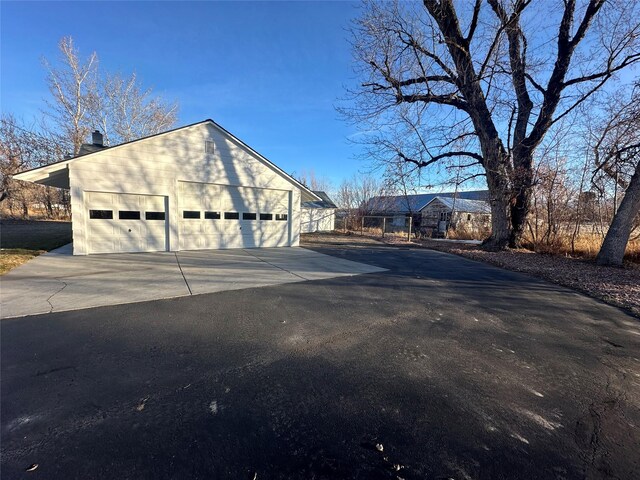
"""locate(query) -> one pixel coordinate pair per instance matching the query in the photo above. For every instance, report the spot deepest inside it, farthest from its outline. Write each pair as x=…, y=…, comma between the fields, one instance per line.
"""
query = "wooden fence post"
x=384, y=225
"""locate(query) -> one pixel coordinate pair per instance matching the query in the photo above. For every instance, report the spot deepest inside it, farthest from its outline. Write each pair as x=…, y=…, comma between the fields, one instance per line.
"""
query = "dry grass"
x=14, y=257
x=21, y=240
x=466, y=231
x=585, y=246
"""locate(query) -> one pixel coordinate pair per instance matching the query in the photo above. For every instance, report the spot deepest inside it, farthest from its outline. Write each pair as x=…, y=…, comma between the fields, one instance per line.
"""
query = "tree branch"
x=451, y=99
x=628, y=60
x=460, y=153
x=474, y=20
x=555, y=86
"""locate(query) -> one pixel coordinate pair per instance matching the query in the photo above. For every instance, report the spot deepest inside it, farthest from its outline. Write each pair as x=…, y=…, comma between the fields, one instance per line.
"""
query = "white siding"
x=317, y=220
x=156, y=165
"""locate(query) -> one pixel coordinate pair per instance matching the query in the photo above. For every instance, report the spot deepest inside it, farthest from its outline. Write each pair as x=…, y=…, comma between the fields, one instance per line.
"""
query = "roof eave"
x=54, y=175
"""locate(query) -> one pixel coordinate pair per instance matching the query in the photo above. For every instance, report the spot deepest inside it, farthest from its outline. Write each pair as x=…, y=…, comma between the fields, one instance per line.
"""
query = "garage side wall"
x=154, y=166
x=317, y=219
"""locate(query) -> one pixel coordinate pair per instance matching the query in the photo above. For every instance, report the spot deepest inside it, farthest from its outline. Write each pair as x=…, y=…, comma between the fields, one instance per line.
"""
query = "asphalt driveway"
x=438, y=368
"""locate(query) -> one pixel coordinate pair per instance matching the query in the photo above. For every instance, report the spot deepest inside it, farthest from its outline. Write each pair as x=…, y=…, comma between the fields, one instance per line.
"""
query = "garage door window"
x=101, y=214
x=231, y=215
x=154, y=215
x=190, y=214
x=248, y=216
x=212, y=215
x=266, y=216
x=281, y=216
x=129, y=215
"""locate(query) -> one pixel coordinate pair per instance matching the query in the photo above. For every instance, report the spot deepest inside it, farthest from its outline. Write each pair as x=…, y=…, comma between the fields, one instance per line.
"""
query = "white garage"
x=192, y=188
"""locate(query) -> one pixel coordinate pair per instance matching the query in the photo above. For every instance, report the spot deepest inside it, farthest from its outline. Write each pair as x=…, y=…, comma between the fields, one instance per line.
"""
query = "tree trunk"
x=615, y=243
x=500, y=223
x=519, y=213
x=522, y=181
x=499, y=199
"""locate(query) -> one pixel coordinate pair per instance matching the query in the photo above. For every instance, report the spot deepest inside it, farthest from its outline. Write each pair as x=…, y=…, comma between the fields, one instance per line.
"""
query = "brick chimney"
x=96, y=138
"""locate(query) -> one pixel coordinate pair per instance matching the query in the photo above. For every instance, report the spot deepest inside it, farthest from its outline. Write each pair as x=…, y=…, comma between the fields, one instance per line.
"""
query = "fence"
x=375, y=225
x=401, y=227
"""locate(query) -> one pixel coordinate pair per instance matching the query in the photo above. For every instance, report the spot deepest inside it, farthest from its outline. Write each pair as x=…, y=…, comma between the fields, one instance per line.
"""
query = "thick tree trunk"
x=500, y=223
x=615, y=243
x=499, y=199
x=519, y=213
x=522, y=189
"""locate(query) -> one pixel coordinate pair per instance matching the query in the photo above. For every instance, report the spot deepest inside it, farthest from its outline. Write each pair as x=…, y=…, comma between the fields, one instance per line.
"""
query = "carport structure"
x=192, y=188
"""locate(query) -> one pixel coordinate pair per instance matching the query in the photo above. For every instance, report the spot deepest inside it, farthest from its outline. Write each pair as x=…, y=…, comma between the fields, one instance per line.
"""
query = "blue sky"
x=269, y=72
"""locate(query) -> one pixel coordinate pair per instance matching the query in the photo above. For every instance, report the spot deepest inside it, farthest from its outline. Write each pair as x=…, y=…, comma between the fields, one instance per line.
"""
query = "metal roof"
x=413, y=203
x=326, y=202
x=464, y=205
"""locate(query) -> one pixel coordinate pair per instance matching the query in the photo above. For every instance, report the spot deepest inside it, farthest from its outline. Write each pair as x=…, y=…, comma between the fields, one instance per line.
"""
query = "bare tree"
x=552, y=209
x=83, y=99
x=125, y=111
x=354, y=196
x=314, y=181
x=355, y=193
x=486, y=83
x=22, y=148
x=73, y=85
x=617, y=153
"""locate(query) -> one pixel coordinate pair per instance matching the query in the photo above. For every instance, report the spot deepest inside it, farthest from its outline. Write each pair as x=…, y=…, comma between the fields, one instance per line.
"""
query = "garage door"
x=219, y=216
x=125, y=223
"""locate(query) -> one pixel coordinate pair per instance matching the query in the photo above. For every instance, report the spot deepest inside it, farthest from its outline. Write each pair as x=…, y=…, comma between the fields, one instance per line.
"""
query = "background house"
x=319, y=215
x=398, y=209
x=468, y=216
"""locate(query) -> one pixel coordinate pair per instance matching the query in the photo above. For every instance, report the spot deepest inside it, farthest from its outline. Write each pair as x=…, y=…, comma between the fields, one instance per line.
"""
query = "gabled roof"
x=402, y=204
x=86, y=148
x=56, y=173
x=462, y=205
x=326, y=202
